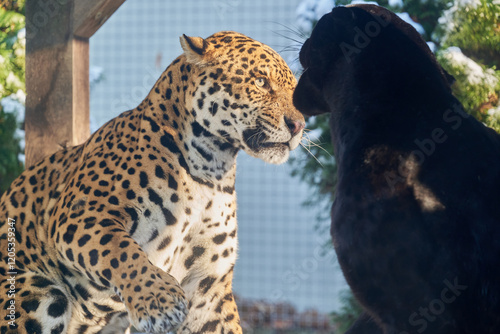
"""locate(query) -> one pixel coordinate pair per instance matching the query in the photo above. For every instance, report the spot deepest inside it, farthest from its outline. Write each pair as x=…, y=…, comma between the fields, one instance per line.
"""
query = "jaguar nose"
x=294, y=126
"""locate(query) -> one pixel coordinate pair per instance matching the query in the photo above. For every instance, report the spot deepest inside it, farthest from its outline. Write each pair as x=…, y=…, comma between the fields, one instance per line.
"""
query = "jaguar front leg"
x=109, y=257
x=212, y=308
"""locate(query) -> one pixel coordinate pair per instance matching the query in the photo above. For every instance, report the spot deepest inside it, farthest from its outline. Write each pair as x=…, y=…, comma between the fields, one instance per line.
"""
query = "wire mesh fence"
x=285, y=280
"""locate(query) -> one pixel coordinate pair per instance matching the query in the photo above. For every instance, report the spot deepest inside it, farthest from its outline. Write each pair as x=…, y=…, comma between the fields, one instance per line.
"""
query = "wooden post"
x=57, y=71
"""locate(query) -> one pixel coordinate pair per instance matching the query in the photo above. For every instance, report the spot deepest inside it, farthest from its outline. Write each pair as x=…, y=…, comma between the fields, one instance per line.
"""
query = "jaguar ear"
x=194, y=49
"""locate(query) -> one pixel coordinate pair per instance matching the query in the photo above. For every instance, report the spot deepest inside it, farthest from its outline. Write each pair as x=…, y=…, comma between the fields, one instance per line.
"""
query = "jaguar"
x=138, y=224
x=415, y=221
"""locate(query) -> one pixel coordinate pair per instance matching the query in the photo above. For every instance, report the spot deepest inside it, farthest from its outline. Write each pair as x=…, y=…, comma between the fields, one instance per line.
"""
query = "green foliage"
x=494, y=119
x=426, y=13
x=477, y=87
x=348, y=313
x=475, y=30
x=12, y=53
x=13, y=5
x=12, y=74
x=10, y=166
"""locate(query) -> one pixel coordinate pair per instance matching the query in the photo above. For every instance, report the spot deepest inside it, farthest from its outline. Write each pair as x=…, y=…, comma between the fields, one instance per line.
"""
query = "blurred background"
x=286, y=278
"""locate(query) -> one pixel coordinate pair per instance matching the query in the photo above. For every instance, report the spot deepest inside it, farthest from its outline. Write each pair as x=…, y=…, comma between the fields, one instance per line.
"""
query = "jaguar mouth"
x=268, y=145
x=256, y=140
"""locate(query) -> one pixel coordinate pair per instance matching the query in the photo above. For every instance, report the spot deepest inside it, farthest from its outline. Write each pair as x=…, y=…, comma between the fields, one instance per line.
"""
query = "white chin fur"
x=273, y=155
x=294, y=142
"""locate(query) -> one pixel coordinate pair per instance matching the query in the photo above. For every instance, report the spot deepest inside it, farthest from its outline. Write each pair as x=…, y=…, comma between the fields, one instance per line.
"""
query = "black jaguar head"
x=355, y=52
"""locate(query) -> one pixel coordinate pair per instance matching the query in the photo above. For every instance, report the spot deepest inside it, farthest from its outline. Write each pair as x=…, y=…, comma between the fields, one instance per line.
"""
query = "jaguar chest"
x=190, y=229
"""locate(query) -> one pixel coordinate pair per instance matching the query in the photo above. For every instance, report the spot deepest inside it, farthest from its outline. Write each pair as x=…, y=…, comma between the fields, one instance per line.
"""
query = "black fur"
x=416, y=216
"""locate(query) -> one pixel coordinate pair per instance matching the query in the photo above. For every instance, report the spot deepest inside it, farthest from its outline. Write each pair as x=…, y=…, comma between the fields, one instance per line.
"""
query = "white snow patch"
x=13, y=80
x=354, y=2
x=475, y=73
x=396, y=3
x=21, y=37
x=323, y=7
x=406, y=17
x=467, y=3
x=495, y=112
x=310, y=11
x=447, y=21
x=15, y=104
x=95, y=74
x=432, y=46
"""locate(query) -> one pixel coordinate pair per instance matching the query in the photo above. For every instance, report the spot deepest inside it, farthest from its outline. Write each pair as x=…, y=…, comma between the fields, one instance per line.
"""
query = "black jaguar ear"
x=195, y=48
x=339, y=20
x=342, y=13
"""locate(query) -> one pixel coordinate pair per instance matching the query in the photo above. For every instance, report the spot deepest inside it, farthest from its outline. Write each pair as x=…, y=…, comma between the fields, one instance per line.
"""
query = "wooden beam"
x=57, y=72
x=49, y=79
x=90, y=15
x=81, y=90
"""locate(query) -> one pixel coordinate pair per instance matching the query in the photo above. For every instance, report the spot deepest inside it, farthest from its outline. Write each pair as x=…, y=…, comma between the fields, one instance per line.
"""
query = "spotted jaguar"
x=137, y=226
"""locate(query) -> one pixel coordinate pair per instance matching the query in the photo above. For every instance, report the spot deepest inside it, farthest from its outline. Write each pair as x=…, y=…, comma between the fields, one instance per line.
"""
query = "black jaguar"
x=416, y=216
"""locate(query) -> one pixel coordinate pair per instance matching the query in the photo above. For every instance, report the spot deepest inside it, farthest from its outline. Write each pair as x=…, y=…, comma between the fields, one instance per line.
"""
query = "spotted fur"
x=138, y=224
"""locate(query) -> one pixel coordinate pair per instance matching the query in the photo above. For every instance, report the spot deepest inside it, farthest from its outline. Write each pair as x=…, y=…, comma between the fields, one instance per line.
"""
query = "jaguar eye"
x=261, y=82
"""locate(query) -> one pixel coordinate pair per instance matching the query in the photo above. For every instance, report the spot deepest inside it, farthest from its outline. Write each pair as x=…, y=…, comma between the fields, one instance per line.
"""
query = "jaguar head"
x=244, y=95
